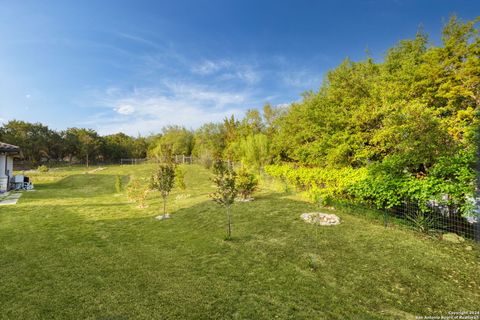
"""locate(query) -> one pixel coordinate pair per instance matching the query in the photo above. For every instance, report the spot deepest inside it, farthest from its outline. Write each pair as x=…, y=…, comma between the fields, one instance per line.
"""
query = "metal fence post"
x=477, y=189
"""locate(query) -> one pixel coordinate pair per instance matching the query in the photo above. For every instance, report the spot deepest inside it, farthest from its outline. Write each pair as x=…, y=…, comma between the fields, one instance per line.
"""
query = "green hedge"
x=450, y=182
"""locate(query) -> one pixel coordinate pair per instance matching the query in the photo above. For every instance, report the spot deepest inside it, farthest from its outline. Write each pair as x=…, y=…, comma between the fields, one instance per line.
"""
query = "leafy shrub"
x=180, y=178
x=137, y=191
x=449, y=182
x=421, y=221
x=321, y=185
x=43, y=168
x=247, y=183
x=313, y=262
x=118, y=184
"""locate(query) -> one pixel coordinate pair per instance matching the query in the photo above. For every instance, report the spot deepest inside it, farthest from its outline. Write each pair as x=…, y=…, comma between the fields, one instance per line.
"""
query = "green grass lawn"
x=74, y=249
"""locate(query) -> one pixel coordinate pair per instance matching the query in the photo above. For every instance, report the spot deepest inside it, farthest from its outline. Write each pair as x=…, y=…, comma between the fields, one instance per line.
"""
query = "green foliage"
x=163, y=180
x=387, y=133
x=180, y=177
x=117, y=146
x=384, y=186
x=88, y=143
x=174, y=140
x=226, y=190
x=253, y=151
x=418, y=105
x=247, y=183
x=73, y=236
x=421, y=222
x=401, y=130
x=313, y=262
x=137, y=191
x=209, y=143
x=322, y=185
x=118, y=184
x=448, y=182
x=43, y=168
x=37, y=141
x=225, y=183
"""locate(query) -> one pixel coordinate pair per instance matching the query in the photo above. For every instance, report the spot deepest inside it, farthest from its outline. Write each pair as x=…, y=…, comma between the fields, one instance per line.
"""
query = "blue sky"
x=135, y=66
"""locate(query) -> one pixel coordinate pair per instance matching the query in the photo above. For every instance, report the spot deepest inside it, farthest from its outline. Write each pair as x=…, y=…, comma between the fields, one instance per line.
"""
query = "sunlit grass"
x=75, y=249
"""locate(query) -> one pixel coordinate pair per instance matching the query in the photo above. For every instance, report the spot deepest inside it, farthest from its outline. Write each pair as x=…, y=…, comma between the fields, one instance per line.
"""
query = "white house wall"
x=10, y=166
x=3, y=176
x=3, y=158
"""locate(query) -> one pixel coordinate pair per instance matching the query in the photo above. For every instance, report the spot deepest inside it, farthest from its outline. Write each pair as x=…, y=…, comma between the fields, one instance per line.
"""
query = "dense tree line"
x=407, y=127
x=42, y=144
x=404, y=129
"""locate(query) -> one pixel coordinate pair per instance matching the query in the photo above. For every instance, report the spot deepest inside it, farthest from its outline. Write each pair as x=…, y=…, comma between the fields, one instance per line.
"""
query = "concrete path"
x=9, y=198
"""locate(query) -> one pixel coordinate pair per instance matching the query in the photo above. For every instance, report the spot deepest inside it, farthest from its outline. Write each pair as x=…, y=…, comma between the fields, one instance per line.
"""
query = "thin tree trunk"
x=87, y=159
x=164, y=206
x=229, y=224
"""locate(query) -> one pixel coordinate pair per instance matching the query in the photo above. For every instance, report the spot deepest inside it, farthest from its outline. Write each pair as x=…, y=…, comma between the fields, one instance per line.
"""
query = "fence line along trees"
x=41, y=144
x=163, y=180
x=226, y=190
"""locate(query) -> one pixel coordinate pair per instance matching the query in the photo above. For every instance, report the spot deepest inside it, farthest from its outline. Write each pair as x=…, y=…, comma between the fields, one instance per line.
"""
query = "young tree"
x=226, y=190
x=137, y=191
x=163, y=181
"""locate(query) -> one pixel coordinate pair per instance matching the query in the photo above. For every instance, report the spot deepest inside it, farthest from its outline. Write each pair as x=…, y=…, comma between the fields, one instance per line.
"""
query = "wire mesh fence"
x=434, y=219
x=132, y=161
x=437, y=218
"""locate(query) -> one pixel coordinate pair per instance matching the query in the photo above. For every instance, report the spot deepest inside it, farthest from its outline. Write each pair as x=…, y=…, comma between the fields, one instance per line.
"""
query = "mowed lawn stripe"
x=76, y=249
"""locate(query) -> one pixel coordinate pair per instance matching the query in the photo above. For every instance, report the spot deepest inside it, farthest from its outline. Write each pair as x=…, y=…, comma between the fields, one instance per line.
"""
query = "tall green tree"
x=176, y=139
x=209, y=142
x=89, y=144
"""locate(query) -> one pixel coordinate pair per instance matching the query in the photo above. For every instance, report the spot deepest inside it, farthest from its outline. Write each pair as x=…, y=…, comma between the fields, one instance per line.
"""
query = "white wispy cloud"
x=148, y=110
x=124, y=109
x=169, y=88
x=208, y=66
x=195, y=94
x=138, y=39
x=305, y=79
x=226, y=70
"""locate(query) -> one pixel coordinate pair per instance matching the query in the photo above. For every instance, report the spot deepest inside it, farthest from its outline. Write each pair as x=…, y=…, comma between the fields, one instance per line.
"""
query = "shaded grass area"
x=74, y=249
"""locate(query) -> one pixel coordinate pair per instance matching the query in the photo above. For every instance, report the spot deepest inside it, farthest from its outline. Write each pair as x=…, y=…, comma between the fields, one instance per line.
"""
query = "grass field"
x=74, y=249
